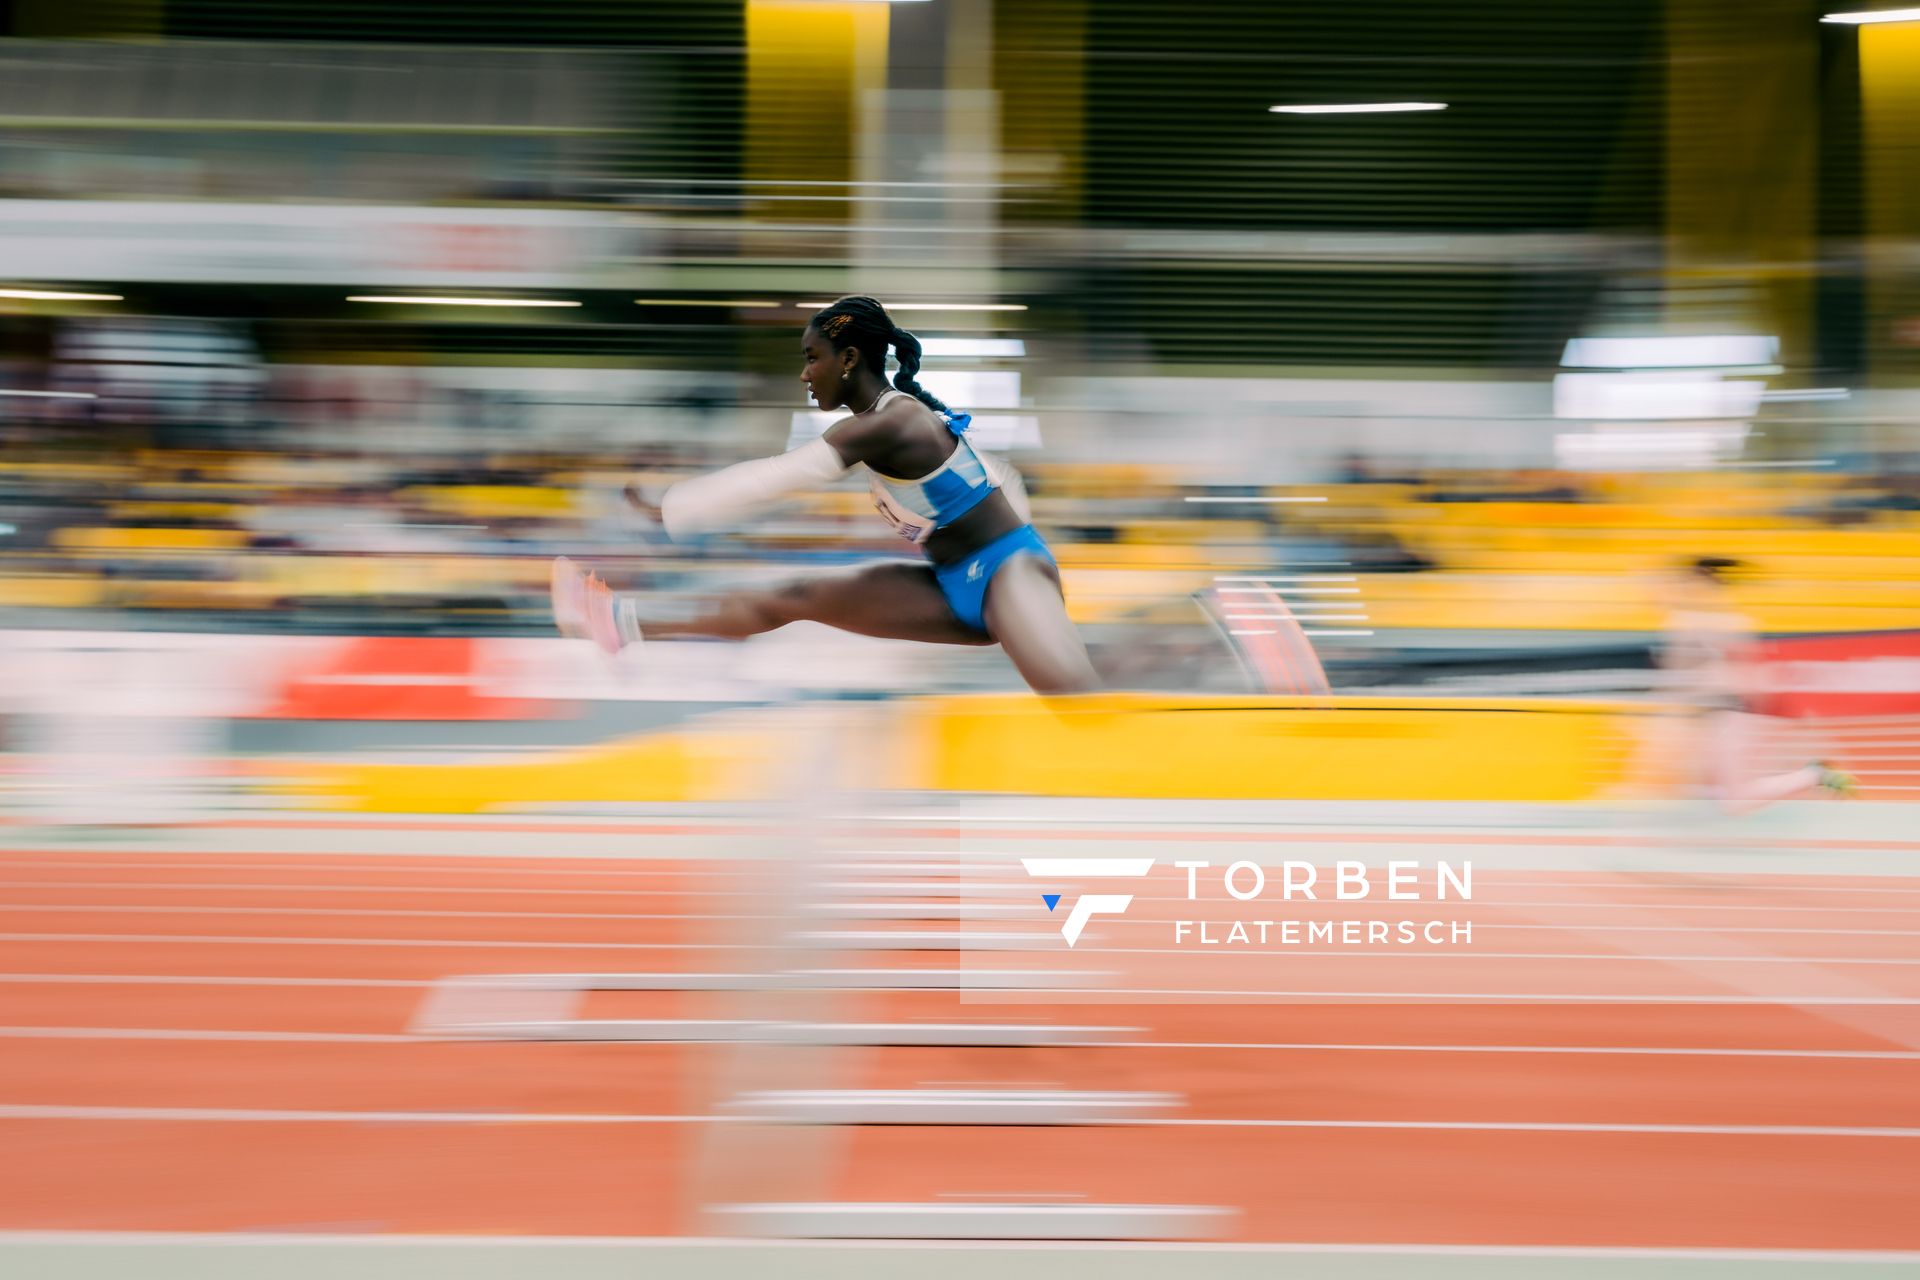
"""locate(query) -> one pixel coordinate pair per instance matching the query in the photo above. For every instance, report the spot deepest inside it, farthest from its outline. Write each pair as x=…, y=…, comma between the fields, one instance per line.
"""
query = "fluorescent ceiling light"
x=1672, y=351
x=1356, y=108
x=56, y=295
x=1810, y=393
x=984, y=348
x=1874, y=15
x=928, y=306
x=703, y=302
x=974, y=389
x=465, y=302
x=51, y=395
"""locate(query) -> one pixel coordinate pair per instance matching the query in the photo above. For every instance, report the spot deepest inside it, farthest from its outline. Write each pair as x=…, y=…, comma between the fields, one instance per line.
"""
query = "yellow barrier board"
x=1134, y=746
x=1217, y=748
x=668, y=768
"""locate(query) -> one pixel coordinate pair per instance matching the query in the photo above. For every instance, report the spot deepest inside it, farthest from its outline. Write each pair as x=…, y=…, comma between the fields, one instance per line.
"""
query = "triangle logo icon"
x=1051, y=899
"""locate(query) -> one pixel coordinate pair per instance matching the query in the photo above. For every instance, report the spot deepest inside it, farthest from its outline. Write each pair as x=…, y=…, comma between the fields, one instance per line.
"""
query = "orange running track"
x=220, y=1042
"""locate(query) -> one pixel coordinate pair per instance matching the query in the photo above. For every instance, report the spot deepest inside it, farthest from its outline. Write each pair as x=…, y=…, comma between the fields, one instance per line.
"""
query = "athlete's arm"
x=724, y=497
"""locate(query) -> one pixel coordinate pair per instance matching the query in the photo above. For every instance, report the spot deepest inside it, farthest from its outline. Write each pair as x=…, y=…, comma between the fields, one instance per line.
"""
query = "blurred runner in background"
x=1708, y=650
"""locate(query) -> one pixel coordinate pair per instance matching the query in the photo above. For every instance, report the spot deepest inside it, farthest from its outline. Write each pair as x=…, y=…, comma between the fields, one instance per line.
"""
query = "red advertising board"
x=1864, y=673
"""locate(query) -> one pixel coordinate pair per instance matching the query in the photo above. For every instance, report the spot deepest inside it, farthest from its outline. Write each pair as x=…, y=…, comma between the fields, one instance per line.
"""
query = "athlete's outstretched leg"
x=894, y=600
x=1730, y=740
x=902, y=600
x=1027, y=615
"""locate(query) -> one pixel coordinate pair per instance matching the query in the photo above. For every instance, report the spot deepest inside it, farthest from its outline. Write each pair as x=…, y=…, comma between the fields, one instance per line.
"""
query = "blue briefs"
x=964, y=582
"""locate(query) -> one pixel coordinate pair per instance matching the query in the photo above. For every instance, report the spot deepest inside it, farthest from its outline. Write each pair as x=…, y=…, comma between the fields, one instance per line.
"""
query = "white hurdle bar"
x=985, y=1105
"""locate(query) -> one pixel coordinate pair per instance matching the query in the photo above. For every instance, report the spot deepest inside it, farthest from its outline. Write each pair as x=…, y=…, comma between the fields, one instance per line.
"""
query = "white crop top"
x=915, y=508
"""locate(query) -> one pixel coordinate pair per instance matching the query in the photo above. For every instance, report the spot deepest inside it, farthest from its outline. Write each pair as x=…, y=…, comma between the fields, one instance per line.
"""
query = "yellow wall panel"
x=1157, y=747
x=807, y=64
x=1890, y=121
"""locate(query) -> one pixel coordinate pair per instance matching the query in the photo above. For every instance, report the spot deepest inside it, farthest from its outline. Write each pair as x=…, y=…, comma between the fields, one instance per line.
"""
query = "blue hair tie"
x=959, y=422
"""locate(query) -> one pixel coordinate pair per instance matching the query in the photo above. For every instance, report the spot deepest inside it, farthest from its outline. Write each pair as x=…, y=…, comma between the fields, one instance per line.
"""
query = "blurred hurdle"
x=781, y=1100
x=880, y=892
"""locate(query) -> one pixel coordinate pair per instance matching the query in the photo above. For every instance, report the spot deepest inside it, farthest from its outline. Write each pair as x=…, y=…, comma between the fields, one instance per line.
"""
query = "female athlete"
x=1709, y=652
x=987, y=578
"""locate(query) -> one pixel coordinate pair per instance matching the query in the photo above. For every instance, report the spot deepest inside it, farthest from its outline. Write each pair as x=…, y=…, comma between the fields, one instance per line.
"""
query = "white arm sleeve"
x=722, y=497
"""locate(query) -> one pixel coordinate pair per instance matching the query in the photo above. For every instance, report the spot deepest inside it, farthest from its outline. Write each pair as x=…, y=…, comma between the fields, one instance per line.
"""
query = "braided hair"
x=863, y=324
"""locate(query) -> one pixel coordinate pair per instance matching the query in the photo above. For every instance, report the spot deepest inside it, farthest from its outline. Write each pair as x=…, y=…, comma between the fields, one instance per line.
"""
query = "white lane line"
x=169, y=1033
x=1350, y=953
x=438, y=890
x=18, y=1111
x=1523, y=997
x=1462, y=997
x=1468, y=953
x=1410, y=906
x=1863, y=1055
x=901, y=883
x=268, y=861
x=403, y=1244
x=704, y=874
x=198, y=910
x=273, y=941
x=695, y=866
x=1545, y=1126
x=992, y=891
x=1700, y=882
x=327, y=1037
x=1542, y=923
x=1713, y=929
x=442, y=891
x=959, y=937
x=194, y=980
x=80, y=908
x=894, y=979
